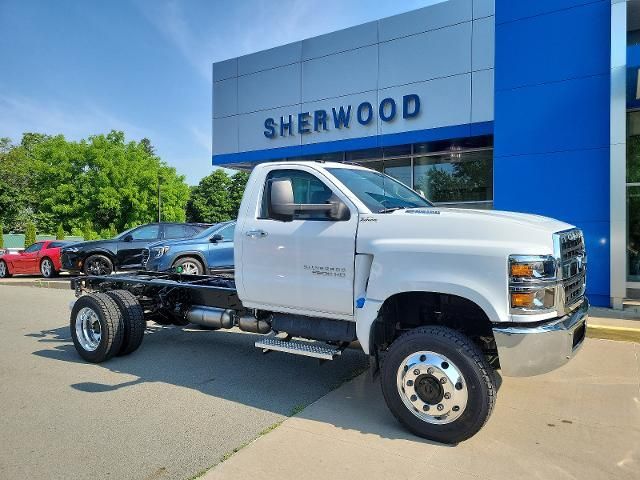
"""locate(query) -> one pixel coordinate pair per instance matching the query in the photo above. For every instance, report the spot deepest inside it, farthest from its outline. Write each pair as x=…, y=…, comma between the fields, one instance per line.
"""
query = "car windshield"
x=207, y=232
x=379, y=192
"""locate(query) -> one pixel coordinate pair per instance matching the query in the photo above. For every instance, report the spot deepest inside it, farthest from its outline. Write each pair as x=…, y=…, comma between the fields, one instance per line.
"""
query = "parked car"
x=124, y=251
x=210, y=250
x=39, y=258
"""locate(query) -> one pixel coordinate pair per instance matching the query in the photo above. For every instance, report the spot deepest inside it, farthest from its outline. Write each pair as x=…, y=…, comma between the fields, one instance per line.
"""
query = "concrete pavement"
x=169, y=410
x=579, y=422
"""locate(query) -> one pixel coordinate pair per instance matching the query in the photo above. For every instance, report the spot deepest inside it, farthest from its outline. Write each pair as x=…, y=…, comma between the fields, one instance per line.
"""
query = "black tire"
x=133, y=320
x=190, y=263
x=4, y=272
x=111, y=327
x=47, y=272
x=467, y=359
x=97, y=264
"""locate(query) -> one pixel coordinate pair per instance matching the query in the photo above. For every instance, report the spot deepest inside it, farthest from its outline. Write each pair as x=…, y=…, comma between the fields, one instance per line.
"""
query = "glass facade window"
x=633, y=196
x=456, y=177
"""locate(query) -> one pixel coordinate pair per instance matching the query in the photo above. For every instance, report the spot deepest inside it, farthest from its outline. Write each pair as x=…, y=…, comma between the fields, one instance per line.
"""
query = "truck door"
x=306, y=264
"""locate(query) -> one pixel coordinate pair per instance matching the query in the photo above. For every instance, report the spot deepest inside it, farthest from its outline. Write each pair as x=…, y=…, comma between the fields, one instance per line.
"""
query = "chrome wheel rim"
x=432, y=387
x=3, y=269
x=46, y=268
x=88, y=329
x=190, y=268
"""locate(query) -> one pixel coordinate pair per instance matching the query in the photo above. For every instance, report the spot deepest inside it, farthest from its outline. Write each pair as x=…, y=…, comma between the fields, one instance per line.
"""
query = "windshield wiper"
x=391, y=209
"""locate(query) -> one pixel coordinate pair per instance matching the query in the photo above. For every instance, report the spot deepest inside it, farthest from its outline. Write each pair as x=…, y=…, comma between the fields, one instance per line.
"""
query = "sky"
x=80, y=68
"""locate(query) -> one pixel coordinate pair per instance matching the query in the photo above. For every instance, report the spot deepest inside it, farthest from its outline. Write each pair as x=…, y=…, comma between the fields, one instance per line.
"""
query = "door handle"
x=256, y=233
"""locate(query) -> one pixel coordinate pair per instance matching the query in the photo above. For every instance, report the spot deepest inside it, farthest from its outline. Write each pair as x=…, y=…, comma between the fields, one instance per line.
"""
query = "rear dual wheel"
x=107, y=324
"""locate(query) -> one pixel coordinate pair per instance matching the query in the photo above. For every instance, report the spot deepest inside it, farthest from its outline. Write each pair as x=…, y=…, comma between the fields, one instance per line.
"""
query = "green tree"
x=60, y=232
x=210, y=200
x=1, y=235
x=29, y=234
x=87, y=231
x=236, y=190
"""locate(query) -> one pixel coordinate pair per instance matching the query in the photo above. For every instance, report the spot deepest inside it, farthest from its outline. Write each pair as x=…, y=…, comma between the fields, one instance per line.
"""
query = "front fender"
x=366, y=316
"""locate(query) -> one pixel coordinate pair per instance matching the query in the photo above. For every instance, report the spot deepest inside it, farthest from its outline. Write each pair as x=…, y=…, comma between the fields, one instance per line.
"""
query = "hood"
x=517, y=233
x=90, y=243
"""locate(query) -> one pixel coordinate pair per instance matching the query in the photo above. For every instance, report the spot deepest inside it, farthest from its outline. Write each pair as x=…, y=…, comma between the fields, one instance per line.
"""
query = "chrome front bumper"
x=525, y=351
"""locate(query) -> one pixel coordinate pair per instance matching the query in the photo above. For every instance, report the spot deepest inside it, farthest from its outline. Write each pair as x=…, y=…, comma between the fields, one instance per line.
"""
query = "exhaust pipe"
x=210, y=317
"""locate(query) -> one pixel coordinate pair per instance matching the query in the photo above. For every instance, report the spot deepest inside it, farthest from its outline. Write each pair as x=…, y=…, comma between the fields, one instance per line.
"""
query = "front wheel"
x=438, y=384
x=4, y=270
x=98, y=265
x=190, y=266
x=47, y=269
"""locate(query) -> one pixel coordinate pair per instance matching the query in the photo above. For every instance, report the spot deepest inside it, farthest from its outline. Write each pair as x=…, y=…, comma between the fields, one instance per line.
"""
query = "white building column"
x=618, y=152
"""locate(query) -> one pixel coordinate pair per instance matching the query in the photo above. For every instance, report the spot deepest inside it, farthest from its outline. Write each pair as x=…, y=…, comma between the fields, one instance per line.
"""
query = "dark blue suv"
x=209, y=250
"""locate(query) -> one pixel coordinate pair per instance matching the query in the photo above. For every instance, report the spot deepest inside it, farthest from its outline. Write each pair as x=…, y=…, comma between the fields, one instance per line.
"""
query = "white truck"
x=329, y=255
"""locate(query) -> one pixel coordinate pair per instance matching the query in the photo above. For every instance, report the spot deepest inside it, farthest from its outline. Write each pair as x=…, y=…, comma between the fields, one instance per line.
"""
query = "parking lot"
x=189, y=398
x=171, y=409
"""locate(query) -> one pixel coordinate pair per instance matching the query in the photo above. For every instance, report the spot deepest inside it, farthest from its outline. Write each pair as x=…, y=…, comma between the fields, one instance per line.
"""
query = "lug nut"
x=443, y=380
x=447, y=395
x=414, y=398
x=440, y=407
x=416, y=372
x=456, y=408
x=425, y=408
x=430, y=370
x=458, y=386
x=409, y=383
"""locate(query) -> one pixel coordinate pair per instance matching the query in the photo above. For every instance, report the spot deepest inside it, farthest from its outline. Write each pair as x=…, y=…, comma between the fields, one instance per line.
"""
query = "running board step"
x=307, y=349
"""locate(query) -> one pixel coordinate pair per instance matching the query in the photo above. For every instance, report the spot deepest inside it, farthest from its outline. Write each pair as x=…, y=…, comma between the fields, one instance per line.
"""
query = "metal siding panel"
x=483, y=45
x=569, y=115
x=448, y=51
x=340, y=74
x=340, y=41
x=251, y=128
x=225, y=98
x=444, y=101
x=355, y=129
x=483, y=8
x=225, y=135
x=269, y=89
x=482, y=96
x=225, y=69
x=575, y=43
x=428, y=18
x=272, y=58
x=510, y=10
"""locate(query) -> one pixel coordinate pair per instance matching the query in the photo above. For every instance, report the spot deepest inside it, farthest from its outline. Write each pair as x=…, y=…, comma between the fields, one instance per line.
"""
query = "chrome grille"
x=572, y=264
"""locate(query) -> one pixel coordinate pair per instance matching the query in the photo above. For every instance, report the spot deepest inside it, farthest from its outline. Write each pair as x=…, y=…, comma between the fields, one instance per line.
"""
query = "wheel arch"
x=190, y=254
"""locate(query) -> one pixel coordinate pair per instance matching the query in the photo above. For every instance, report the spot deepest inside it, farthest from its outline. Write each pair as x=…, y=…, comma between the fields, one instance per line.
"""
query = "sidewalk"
x=581, y=421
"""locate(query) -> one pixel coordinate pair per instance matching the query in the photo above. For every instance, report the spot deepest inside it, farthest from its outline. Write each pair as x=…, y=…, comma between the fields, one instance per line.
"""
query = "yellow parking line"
x=626, y=334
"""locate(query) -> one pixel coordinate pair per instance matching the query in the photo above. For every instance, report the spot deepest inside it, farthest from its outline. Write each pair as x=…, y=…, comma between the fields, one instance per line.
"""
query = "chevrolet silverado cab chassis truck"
x=328, y=254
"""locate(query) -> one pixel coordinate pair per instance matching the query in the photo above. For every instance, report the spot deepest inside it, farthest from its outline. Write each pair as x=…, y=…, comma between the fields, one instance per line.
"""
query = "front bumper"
x=525, y=350
x=71, y=261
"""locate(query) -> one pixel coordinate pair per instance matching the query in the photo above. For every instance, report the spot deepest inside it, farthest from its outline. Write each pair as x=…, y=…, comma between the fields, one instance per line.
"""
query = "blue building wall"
x=551, y=127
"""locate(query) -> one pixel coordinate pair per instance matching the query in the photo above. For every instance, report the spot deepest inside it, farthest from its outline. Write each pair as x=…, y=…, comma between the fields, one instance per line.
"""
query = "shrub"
x=60, y=233
x=30, y=234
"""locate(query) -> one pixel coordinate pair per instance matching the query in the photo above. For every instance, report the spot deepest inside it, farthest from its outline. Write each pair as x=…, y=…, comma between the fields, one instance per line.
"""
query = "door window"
x=175, y=231
x=307, y=189
x=33, y=248
x=227, y=232
x=148, y=232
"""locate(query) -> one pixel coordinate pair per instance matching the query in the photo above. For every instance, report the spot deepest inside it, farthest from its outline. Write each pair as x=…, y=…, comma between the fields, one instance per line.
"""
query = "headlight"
x=531, y=268
x=532, y=284
x=157, y=252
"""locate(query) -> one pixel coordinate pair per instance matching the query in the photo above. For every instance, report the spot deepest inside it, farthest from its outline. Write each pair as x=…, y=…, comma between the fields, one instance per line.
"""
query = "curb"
x=59, y=285
x=608, y=332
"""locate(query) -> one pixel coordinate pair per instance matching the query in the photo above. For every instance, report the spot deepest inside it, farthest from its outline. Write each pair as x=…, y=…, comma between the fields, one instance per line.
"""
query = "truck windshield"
x=379, y=192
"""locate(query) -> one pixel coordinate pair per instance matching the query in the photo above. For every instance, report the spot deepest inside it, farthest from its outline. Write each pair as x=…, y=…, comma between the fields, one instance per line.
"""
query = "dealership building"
x=530, y=106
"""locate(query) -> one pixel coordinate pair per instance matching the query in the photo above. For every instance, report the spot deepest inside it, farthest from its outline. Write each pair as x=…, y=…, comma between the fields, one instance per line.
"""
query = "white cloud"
x=20, y=114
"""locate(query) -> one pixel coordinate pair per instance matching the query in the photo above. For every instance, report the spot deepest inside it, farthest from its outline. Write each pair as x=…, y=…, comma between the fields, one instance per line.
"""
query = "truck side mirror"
x=281, y=206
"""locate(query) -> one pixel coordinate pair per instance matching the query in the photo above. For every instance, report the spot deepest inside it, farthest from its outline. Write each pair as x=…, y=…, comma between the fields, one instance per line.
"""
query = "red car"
x=42, y=257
